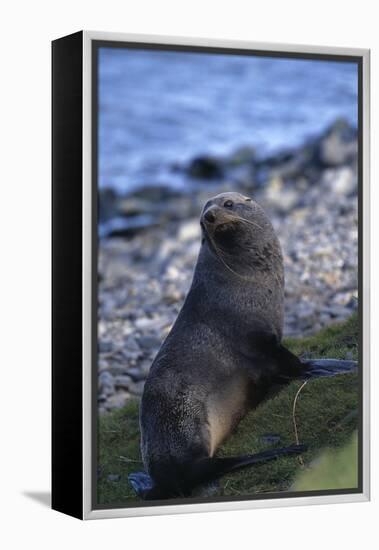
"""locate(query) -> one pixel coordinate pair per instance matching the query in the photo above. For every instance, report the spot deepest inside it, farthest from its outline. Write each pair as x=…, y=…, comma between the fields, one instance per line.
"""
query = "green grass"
x=326, y=415
x=332, y=470
x=339, y=341
x=118, y=444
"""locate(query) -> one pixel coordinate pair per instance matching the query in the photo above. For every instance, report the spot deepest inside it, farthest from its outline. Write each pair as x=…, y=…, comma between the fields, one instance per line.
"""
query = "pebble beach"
x=149, y=242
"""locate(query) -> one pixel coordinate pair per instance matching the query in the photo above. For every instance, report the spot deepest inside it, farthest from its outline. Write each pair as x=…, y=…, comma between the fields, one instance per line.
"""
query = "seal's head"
x=234, y=222
x=239, y=234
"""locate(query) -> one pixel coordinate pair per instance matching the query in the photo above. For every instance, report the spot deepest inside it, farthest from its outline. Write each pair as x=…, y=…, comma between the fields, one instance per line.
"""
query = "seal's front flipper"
x=315, y=368
x=141, y=483
x=290, y=367
x=267, y=350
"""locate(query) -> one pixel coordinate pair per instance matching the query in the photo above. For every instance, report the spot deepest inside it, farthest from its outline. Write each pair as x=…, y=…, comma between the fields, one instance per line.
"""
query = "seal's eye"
x=228, y=204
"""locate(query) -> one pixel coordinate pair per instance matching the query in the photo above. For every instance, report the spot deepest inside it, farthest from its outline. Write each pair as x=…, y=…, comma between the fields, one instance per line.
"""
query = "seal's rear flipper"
x=181, y=481
x=315, y=368
x=141, y=483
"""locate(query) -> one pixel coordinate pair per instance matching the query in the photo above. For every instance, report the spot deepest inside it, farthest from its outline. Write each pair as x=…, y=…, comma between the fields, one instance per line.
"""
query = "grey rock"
x=128, y=227
x=117, y=400
x=189, y=231
x=149, y=342
x=270, y=439
x=106, y=383
x=146, y=323
x=107, y=204
x=136, y=374
x=131, y=356
x=206, y=168
x=352, y=303
x=280, y=196
x=122, y=381
x=156, y=193
x=105, y=346
x=144, y=368
x=131, y=350
x=336, y=311
x=114, y=477
x=243, y=155
x=172, y=296
x=117, y=369
x=134, y=206
x=339, y=145
x=341, y=181
x=136, y=388
x=103, y=365
x=304, y=311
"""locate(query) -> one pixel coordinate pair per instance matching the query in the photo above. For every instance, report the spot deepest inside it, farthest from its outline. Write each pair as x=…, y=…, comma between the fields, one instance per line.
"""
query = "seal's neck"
x=237, y=295
x=237, y=270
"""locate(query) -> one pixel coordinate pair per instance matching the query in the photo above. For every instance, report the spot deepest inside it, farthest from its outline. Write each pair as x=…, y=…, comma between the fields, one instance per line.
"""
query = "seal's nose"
x=210, y=216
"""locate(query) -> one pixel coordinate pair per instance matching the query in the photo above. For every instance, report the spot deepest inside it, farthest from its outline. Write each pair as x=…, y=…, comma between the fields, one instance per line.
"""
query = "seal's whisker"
x=245, y=220
x=219, y=253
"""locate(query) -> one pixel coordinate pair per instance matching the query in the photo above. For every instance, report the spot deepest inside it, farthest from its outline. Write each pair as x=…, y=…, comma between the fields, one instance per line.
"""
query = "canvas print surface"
x=228, y=312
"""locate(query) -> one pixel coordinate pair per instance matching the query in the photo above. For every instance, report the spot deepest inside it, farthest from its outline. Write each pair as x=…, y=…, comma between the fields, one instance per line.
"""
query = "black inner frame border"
x=95, y=46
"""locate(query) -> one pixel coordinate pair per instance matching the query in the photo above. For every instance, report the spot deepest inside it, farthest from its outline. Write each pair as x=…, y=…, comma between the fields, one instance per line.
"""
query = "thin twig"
x=294, y=419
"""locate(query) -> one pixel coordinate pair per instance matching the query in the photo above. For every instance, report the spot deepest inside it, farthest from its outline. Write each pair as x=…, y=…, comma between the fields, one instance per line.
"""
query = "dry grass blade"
x=126, y=459
x=294, y=419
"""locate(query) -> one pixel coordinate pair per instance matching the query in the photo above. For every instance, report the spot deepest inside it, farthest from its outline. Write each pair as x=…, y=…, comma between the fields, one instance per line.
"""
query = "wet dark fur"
x=222, y=357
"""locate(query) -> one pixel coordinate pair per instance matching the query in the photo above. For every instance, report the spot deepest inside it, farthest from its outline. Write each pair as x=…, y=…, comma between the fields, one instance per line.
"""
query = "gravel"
x=144, y=278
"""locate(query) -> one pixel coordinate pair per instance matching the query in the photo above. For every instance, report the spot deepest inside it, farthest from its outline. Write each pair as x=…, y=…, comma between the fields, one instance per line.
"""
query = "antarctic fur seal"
x=222, y=356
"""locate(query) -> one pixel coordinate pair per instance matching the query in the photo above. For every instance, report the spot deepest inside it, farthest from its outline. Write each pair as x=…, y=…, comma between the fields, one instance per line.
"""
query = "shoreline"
x=145, y=269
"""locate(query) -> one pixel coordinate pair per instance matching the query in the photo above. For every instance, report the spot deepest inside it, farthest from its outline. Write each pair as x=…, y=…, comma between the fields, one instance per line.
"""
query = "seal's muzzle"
x=215, y=216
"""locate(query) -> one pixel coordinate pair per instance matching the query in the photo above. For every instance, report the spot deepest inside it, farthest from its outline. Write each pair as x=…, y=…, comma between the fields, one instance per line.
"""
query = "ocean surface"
x=160, y=109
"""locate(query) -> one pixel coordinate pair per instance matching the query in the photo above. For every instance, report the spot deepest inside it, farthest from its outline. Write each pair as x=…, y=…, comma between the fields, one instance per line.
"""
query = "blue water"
x=160, y=108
